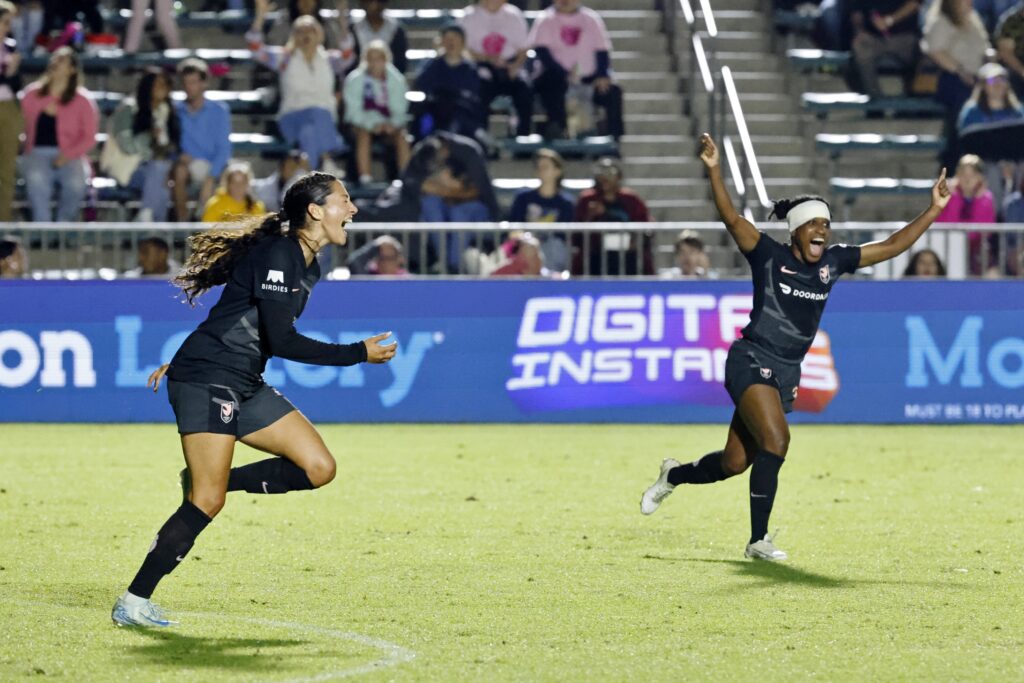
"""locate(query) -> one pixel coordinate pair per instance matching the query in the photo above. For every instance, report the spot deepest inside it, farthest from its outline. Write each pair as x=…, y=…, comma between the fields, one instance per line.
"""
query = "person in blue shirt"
x=547, y=204
x=205, y=139
x=452, y=87
x=994, y=101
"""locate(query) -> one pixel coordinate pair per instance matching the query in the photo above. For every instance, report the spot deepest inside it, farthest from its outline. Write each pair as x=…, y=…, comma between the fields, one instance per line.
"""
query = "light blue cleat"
x=131, y=610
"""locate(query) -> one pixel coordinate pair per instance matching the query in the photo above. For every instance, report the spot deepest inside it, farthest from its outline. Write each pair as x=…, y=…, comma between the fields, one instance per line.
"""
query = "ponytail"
x=215, y=253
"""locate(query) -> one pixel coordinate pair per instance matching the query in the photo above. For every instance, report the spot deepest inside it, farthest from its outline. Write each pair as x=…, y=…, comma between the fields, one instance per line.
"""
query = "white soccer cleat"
x=131, y=610
x=765, y=550
x=659, y=490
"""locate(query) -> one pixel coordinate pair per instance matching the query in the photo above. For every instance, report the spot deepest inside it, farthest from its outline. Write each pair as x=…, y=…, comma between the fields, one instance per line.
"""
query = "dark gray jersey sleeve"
x=278, y=333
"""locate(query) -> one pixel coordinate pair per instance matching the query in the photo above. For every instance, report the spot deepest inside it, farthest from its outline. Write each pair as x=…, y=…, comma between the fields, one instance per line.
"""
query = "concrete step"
x=633, y=40
x=766, y=82
x=664, y=167
x=648, y=81
x=741, y=41
x=655, y=124
x=750, y=61
x=769, y=124
x=782, y=145
x=737, y=20
x=756, y=103
x=653, y=103
x=791, y=166
x=652, y=145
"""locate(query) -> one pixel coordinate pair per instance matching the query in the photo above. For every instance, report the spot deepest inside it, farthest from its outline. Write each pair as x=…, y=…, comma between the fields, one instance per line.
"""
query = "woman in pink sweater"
x=61, y=121
x=972, y=202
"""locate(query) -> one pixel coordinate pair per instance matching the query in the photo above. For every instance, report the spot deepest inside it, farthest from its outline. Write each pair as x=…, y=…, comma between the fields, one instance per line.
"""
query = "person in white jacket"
x=376, y=108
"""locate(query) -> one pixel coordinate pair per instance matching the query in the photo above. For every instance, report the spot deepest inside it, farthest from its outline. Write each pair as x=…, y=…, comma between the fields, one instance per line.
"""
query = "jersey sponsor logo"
x=787, y=271
x=766, y=373
x=824, y=274
x=275, y=276
x=801, y=294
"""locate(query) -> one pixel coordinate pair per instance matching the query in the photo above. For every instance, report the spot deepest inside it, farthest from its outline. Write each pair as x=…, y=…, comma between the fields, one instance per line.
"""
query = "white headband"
x=807, y=211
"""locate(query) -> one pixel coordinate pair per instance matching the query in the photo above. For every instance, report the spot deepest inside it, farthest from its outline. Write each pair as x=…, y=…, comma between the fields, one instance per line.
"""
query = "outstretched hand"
x=158, y=374
x=377, y=352
x=940, y=191
x=708, y=151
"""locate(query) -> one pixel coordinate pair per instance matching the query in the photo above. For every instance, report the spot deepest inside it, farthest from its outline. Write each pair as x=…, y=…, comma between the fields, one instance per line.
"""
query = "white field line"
x=393, y=654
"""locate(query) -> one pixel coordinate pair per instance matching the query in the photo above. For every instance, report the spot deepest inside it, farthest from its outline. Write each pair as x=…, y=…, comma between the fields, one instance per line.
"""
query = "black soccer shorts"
x=748, y=364
x=217, y=409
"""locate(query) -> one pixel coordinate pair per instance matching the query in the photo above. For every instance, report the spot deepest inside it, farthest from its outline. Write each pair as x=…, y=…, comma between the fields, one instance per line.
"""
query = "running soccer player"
x=214, y=381
x=762, y=371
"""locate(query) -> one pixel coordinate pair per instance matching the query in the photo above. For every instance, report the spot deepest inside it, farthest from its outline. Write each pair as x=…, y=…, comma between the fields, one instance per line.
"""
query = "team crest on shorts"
x=766, y=373
x=824, y=274
x=227, y=411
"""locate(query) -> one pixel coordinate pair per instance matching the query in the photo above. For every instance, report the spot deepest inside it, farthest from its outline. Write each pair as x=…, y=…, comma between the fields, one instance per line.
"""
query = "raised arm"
x=901, y=240
x=742, y=230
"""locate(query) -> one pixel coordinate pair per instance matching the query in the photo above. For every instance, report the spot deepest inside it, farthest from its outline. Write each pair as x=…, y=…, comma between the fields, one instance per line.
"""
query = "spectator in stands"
x=1009, y=37
x=1013, y=206
x=58, y=13
x=27, y=24
x=1013, y=212
x=336, y=33
x=154, y=260
x=925, y=263
x=11, y=122
x=376, y=108
x=883, y=28
x=61, y=122
x=496, y=35
x=388, y=258
x=972, y=203
x=956, y=40
x=525, y=258
x=166, y=22
x=376, y=25
x=610, y=202
x=547, y=204
x=13, y=261
x=993, y=101
x=234, y=196
x=270, y=190
x=573, y=47
x=205, y=139
x=691, y=258
x=451, y=86
x=308, y=74
x=448, y=175
x=991, y=10
x=146, y=127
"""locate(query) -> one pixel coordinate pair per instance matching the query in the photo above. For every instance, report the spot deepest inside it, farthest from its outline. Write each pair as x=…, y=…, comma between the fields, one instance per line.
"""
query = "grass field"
x=451, y=553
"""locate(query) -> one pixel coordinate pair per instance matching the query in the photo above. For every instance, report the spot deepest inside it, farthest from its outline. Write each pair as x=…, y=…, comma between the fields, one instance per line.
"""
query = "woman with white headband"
x=791, y=285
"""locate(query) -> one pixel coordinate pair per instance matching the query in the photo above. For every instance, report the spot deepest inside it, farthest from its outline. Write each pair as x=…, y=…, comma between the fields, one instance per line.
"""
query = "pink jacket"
x=77, y=121
x=981, y=209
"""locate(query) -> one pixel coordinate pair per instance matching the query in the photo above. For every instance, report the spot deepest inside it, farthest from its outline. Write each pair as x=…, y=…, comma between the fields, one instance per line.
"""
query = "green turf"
x=518, y=553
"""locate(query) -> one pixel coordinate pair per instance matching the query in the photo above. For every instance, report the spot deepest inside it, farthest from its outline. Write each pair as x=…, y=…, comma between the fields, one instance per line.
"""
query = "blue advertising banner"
x=532, y=351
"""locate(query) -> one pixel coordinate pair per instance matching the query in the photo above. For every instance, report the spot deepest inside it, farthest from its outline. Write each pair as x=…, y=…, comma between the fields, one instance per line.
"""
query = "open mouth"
x=817, y=246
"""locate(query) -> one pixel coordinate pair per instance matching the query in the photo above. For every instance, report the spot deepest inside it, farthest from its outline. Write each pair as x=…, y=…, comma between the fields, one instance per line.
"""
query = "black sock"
x=707, y=470
x=170, y=546
x=273, y=475
x=764, y=480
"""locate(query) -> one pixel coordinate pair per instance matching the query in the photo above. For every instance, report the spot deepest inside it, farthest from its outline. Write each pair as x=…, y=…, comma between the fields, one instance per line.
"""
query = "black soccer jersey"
x=790, y=295
x=254, y=320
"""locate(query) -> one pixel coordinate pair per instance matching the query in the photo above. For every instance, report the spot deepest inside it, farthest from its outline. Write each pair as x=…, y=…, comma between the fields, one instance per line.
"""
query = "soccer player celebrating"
x=214, y=380
x=762, y=371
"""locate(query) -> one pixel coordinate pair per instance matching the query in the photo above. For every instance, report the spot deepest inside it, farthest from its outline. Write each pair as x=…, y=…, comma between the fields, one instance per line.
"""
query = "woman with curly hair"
x=215, y=383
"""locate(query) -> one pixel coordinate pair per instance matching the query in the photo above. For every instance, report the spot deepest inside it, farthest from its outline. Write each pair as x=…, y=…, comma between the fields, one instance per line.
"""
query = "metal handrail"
x=721, y=100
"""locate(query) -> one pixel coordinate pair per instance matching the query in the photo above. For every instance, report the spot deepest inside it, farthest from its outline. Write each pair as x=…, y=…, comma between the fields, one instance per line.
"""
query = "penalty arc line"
x=393, y=654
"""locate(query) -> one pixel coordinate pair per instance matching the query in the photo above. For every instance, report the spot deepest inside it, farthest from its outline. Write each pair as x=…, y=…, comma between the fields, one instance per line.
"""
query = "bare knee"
x=734, y=462
x=210, y=502
x=776, y=441
x=322, y=471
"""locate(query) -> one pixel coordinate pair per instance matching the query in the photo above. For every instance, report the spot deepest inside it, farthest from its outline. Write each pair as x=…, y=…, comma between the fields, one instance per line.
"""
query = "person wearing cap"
x=573, y=47
x=994, y=101
x=452, y=87
x=954, y=38
x=610, y=202
x=1009, y=38
x=792, y=283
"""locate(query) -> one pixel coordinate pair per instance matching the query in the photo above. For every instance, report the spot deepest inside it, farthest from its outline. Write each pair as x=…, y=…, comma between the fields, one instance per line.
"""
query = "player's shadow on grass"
x=775, y=572
x=236, y=654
